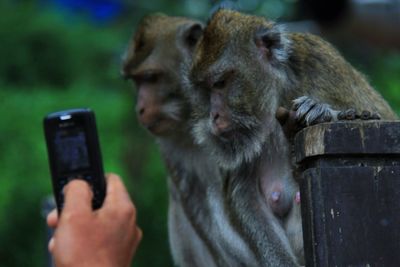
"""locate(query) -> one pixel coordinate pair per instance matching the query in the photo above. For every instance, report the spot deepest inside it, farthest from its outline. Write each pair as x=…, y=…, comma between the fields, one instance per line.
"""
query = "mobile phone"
x=74, y=152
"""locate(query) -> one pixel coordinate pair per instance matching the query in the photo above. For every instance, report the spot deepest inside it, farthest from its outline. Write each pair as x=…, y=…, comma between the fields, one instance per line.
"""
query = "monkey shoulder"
x=310, y=48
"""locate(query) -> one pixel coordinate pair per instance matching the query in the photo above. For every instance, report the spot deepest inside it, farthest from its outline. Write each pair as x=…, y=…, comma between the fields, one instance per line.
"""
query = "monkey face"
x=236, y=79
x=227, y=119
x=160, y=107
x=153, y=62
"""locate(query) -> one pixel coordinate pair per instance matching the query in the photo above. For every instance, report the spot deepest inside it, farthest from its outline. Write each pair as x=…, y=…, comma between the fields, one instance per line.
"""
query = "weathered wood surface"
x=350, y=193
x=348, y=138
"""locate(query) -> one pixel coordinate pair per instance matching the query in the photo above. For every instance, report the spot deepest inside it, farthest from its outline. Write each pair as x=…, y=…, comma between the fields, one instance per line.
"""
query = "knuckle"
x=71, y=215
x=128, y=210
x=139, y=234
x=68, y=216
x=124, y=211
x=113, y=176
x=77, y=185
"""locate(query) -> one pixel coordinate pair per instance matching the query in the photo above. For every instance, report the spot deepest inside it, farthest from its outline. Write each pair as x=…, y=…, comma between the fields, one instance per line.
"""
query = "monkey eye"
x=173, y=95
x=223, y=80
x=219, y=84
x=139, y=45
x=146, y=77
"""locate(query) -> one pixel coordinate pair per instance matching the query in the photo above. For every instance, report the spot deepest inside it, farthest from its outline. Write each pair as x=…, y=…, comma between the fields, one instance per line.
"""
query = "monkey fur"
x=244, y=68
x=200, y=230
x=152, y=60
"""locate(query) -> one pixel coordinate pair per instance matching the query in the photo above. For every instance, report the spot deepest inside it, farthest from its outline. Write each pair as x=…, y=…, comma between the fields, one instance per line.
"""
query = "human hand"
x=105, y=237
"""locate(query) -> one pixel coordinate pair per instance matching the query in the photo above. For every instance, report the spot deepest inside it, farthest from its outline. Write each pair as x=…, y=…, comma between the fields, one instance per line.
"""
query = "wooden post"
x=350, y=193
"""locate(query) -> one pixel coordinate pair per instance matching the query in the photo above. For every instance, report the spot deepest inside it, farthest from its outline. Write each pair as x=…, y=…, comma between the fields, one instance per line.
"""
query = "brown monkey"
x=245, y=67
x=152, y=60
x=197, y=216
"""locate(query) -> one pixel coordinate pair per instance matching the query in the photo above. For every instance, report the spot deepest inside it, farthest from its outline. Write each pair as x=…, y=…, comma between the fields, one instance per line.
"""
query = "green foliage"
x=385, y=77
x=49, y=63
x=42, y=49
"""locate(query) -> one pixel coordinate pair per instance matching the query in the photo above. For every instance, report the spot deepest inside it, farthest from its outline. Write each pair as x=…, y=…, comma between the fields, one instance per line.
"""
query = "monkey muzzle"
x=221, y=128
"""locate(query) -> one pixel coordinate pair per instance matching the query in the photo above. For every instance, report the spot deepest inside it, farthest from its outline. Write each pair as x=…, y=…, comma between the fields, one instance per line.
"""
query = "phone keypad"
x=96, y=202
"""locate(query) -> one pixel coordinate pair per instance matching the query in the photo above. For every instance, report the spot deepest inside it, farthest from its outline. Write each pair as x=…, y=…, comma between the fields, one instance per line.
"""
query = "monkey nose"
x=141, y=111
x=214, y=115
x=220, y=126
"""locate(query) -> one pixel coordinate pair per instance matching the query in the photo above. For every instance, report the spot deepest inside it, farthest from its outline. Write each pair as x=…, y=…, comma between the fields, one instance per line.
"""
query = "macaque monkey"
x=200, y=231
x=152, y=60
x=245, y=68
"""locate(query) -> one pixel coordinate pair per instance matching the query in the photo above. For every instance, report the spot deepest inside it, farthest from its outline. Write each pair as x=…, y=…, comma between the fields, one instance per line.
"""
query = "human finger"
x=51, y=245
x=52, y=218
x=116, y=191
x=77, y=196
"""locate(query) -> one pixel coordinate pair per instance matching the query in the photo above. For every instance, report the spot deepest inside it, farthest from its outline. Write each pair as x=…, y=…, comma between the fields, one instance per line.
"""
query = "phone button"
x=63, y=181
x=88, y=178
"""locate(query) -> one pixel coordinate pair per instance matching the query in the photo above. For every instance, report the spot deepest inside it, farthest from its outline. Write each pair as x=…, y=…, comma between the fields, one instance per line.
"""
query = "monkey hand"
x=310, y=112
x=307, y=111
x=288, y=121
x=304, y=112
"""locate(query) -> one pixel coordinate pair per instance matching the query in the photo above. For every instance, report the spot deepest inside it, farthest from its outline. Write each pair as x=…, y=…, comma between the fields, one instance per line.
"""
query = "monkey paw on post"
x=306, y=112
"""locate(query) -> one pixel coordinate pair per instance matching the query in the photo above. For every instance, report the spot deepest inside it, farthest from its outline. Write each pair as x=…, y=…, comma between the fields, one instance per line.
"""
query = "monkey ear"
x=273, y=43
x=192, y=33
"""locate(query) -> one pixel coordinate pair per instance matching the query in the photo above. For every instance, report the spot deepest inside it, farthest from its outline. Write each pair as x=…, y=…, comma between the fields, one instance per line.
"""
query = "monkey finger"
x=282, y=115
x=325, y=117
x=375, y=116
x=368, y=115
x=301, y=102
x=365, y=115
x=349, y=114
x=320, y=113
x=302, y=106
x=289, y=122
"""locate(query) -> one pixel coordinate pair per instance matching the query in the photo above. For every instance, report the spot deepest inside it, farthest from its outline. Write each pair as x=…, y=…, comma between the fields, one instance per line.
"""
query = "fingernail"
x=51, y=244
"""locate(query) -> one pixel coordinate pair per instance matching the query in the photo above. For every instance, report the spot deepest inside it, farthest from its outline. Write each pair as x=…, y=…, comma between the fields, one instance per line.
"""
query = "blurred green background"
x=64, y=54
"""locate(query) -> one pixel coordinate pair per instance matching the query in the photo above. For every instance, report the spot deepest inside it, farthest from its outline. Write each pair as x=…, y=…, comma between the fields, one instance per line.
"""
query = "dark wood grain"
x=350, y=193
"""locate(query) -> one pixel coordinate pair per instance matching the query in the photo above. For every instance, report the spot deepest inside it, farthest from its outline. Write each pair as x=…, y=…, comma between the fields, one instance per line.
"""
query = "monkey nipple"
x=275, y=196
x=279, y=204
x=297, y=198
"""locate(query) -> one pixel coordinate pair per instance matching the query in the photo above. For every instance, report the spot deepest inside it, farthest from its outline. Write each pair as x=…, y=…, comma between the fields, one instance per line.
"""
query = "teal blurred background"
x=64, y=54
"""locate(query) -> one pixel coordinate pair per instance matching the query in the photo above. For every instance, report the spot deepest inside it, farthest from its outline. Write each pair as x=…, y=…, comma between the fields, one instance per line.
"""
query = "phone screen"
x=71, y=149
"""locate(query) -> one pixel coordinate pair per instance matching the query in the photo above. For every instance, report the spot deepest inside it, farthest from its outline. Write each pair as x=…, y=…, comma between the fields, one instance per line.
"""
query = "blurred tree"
x=100, y=11
x=52, y=61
